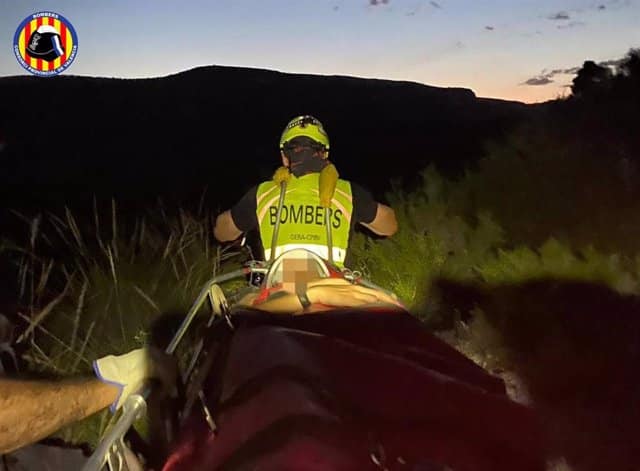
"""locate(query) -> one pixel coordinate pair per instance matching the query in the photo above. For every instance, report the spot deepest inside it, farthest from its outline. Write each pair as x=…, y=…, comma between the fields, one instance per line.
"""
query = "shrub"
x=447, y=229
x=86, y=294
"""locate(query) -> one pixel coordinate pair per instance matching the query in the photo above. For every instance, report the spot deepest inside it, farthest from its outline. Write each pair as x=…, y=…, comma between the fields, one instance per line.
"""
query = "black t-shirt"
x=244, y=215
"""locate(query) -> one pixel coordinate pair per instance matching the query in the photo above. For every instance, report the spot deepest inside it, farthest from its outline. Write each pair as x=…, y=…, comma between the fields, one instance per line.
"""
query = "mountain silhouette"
x=70, y=137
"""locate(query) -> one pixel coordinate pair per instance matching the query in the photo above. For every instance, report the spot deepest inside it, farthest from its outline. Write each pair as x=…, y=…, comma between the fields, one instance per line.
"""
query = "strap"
x=302, y=296
x=276, y=229
x=327, y=187
x=327, y=223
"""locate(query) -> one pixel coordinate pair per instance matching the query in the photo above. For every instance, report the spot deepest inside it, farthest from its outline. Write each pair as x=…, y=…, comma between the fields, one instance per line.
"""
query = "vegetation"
x=535, y=257
x=93, y=289
x=559, y=197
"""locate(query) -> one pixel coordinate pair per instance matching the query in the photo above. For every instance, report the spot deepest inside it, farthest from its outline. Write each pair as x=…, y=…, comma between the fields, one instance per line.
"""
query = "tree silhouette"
x=630, y=65
x=590, y=79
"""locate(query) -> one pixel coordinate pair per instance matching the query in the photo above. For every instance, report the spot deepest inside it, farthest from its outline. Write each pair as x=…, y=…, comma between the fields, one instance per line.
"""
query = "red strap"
x=265, y=293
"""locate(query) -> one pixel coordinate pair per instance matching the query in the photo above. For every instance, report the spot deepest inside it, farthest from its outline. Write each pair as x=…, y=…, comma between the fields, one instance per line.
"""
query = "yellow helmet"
x=307, y=126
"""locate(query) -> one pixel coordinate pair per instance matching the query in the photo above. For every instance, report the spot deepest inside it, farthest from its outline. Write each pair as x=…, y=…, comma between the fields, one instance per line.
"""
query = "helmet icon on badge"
x=44, y=43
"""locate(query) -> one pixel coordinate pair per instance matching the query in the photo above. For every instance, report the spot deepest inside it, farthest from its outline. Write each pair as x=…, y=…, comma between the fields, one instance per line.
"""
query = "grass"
x=438, y=238
x=95, y=288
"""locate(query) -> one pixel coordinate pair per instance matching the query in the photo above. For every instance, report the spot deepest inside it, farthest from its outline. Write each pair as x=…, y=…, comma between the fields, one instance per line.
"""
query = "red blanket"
x=353, y=391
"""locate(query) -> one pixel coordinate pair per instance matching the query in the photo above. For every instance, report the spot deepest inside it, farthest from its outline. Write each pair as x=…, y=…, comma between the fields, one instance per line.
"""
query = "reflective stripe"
x=347, y=214
x=265, y=194
x=344, y=195
x=263, y=211
x=335, y=202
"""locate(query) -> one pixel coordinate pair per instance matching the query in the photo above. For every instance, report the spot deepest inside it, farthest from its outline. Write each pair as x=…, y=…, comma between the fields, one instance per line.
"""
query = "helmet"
x=44, y=43
x=306, y=126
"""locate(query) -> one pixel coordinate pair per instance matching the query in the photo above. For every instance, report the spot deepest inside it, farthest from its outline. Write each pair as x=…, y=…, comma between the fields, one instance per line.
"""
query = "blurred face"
x=296, y=273
x=286, y=162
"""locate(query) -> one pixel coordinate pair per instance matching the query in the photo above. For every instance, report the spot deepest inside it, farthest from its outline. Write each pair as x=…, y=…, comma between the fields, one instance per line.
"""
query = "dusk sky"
x=512, y=49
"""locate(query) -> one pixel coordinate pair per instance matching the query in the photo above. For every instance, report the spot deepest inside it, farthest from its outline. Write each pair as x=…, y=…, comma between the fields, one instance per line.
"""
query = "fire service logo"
x=45, y=43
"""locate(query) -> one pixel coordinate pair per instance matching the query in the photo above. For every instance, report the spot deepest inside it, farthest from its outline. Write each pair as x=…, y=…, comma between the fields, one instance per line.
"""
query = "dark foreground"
x=350, y=390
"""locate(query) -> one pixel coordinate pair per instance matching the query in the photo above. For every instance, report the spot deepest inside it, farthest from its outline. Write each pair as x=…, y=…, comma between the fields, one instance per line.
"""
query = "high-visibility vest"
x=302, y=220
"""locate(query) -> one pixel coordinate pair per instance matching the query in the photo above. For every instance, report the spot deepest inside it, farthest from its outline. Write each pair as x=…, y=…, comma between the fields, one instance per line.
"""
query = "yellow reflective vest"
x=302, y=220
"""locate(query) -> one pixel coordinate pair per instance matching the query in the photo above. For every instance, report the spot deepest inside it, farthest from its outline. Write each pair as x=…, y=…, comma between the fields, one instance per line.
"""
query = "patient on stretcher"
x=299, y=282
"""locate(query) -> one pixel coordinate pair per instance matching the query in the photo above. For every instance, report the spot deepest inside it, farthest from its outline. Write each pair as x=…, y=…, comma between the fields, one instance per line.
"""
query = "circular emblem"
x=45, y=43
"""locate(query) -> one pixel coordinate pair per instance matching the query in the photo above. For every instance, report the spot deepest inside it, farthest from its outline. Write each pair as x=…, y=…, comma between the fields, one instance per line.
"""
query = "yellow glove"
x=328, y=181
x=282, y=175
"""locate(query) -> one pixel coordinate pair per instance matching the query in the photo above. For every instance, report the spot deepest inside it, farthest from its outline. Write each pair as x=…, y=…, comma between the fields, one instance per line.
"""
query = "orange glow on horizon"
x=513, y=92
x=526, y=93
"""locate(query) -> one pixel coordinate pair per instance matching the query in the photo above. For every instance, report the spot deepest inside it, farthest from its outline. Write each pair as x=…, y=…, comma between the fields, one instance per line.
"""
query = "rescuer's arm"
x=377, y=217
x=32, y=410
x=384, y=223
x=240, y=218
x=225, y=228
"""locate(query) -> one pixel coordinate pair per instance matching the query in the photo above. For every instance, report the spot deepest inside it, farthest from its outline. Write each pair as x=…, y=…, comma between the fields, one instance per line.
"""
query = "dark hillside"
x=71, y=137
